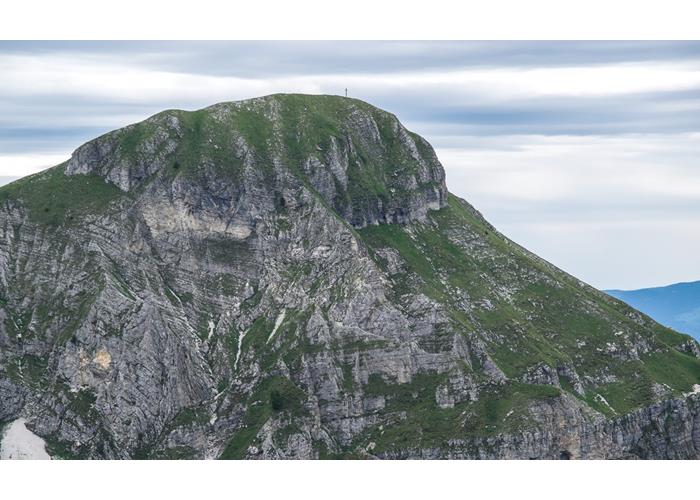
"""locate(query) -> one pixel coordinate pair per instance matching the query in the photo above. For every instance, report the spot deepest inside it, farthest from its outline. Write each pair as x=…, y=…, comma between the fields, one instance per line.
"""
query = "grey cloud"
x=625, y=114
x=264, y=59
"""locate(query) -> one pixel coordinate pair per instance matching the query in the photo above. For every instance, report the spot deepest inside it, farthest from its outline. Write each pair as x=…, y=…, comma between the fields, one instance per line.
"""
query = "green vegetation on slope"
x=541, y=315
x=415, y=421
x=54, y=198
x=275, y=395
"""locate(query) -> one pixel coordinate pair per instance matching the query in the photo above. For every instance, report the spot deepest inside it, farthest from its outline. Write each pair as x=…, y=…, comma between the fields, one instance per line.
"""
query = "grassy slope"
x=53, y=198
x=548, y=318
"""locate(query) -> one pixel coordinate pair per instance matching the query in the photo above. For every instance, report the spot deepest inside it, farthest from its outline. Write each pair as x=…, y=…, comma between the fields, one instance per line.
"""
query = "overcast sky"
x=586, y=153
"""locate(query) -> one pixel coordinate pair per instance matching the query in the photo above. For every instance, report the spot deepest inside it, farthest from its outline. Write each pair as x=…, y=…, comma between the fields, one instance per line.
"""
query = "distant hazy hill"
x=676, y=306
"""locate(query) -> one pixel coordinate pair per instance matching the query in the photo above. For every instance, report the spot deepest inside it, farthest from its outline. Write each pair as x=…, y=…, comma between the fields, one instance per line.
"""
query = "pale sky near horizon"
x=587, y=153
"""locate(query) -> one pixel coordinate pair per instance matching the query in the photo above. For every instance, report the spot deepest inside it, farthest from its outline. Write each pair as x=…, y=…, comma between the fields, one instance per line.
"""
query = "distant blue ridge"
x=676, y=306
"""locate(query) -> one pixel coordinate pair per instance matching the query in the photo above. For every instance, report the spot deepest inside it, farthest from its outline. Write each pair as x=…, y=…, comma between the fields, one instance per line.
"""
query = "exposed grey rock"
x=288, y=277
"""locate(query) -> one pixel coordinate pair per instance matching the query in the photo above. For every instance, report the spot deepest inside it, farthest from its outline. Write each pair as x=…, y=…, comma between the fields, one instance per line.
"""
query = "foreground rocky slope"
x=288, y=277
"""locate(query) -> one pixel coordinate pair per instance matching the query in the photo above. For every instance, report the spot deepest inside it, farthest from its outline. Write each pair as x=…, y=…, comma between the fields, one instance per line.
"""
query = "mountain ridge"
x=288, y=277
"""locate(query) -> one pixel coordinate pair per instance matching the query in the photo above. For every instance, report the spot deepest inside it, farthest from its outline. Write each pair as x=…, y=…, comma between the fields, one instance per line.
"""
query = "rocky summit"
x=289, y=277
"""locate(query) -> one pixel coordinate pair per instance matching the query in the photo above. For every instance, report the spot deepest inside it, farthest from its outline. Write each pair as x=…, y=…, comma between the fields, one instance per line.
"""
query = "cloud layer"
x=586, y=153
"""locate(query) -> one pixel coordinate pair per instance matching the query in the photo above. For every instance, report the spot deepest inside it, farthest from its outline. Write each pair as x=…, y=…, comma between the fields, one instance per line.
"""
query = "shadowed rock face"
x=288, y=277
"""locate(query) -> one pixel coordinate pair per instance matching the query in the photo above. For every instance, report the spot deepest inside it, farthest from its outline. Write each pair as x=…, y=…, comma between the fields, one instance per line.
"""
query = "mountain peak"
x=288, y=277
x=358, y=158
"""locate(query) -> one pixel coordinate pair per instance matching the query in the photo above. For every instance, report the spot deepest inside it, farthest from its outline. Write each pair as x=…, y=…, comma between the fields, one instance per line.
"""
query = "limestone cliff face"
x=288, y=277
